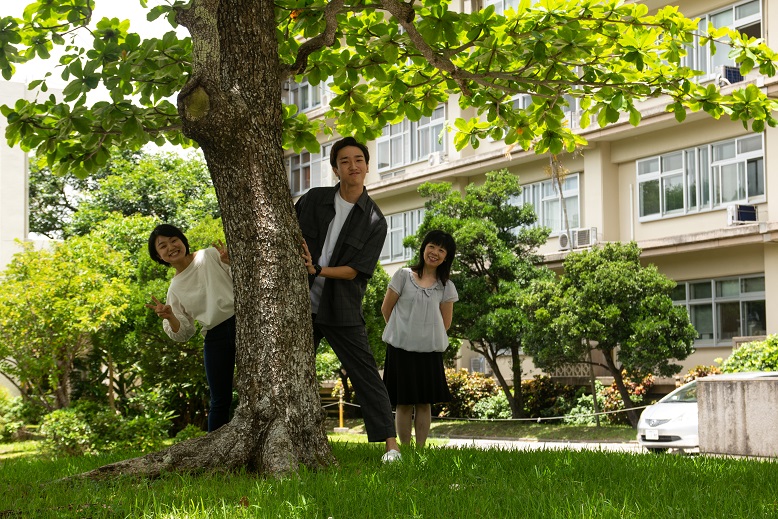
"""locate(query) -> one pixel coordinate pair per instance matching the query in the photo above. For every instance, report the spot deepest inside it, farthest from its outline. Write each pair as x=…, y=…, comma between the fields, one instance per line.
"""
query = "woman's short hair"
x=441, y=239
x=168, y=231
x=347, y=141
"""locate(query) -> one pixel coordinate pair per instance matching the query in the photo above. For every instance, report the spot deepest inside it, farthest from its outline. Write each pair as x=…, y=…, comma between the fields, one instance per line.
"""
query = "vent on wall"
x=564, y=241
x=435, y=158
x=740, y=214
x=729, y=75
x=578, y=238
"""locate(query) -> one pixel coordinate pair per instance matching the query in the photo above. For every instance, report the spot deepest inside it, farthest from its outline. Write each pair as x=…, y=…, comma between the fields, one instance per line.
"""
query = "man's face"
x=351, y=166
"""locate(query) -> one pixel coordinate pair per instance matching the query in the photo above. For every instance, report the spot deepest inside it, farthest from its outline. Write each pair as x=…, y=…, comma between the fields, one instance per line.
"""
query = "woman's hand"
x=223, y=254
x=161, y=309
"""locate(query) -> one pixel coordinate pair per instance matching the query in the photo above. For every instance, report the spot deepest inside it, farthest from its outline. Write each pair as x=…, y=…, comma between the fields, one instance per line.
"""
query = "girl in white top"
x=418, y=309
x=201, y=290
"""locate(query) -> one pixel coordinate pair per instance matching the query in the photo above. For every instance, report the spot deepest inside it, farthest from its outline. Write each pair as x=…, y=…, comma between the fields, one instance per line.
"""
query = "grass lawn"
x=437, y=482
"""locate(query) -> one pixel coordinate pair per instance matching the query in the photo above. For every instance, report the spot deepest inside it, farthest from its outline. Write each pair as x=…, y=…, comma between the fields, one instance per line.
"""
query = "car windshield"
x=684, y=394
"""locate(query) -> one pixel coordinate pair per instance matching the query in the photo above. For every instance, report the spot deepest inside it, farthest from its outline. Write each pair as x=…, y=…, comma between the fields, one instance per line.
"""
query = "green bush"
x=327, y=363
x=582, y=413
x=699, y=372
x=66, y=431
x=753, y=356
x=10, y=416
x=86, y=427
x=613, y=401
x=493, y=407
x=544, y=397
x=189, y=432
x=467, y=389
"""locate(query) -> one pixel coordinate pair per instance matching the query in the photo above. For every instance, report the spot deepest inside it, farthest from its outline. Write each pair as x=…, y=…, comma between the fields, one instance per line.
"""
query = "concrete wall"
x=738, y=417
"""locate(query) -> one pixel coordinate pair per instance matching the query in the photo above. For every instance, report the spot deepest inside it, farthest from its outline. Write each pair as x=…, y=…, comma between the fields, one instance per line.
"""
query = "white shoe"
x=391, y=456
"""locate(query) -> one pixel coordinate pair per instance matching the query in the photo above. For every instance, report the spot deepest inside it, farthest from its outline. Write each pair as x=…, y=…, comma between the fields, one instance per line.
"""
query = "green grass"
x=431, y=483
x=427, y=483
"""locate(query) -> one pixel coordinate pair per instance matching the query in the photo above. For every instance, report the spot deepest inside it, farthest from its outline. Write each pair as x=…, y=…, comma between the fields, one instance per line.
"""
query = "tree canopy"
x=384, y=61
x=608, y=302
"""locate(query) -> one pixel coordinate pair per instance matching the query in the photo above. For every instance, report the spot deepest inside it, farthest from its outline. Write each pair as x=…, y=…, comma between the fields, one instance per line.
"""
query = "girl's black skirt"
x=415, y=377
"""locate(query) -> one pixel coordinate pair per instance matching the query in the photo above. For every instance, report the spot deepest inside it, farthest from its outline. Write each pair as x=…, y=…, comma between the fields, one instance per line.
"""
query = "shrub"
x=699, y=372
x=493, y=407
x=753, y=356
x=466, y=389
x=86, y=427
x=544, y=397
x=582, y=413
x=10, y=416
x=66, y=431
x=613, y=401
x=327, y=363
x=189, y=432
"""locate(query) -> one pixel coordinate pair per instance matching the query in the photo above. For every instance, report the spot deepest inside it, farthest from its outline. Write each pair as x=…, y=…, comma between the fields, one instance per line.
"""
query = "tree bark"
x=619, y=380
x=232, y=107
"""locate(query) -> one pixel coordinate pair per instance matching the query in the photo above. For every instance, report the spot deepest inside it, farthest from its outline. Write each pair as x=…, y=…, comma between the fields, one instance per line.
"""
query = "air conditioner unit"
x=564, y=241
x=728, y=75
x=584, y=237
x=739, y=214
x=435, y=158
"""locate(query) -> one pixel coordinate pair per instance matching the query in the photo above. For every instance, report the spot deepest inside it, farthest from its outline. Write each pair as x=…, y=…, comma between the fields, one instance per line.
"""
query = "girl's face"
x=170, y=249
x=434, y=255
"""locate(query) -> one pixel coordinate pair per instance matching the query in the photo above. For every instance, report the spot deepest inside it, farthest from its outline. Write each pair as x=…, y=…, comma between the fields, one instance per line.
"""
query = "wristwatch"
x=317, y=268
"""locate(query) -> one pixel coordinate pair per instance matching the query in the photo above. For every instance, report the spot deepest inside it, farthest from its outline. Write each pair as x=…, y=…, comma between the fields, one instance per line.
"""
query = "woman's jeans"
x=219, y=357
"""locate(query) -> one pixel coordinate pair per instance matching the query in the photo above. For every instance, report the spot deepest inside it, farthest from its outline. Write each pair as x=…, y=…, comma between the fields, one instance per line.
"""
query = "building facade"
x=699, y=197
x=14, y=180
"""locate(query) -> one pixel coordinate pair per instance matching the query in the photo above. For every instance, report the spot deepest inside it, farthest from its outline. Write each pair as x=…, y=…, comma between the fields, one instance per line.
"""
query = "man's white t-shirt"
x=342, y=209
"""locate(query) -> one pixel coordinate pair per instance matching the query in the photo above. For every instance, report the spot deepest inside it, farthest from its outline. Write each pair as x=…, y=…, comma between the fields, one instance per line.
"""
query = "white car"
x=671, y=423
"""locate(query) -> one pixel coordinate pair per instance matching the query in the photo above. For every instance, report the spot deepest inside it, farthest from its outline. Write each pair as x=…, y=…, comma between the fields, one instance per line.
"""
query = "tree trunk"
x=517, y=402
x=619, y=380
x=232, y=107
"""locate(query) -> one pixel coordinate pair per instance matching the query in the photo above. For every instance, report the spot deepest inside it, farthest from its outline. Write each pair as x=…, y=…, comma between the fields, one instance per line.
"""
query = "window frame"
x=399, y=144
x=717, y=303
x=411, y=219
x=542, y=194
x=702, y=177
x=699, y=57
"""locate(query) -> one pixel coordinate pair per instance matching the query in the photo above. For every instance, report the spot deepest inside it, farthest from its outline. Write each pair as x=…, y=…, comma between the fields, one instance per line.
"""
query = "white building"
x=14, y=181
x=670, y=187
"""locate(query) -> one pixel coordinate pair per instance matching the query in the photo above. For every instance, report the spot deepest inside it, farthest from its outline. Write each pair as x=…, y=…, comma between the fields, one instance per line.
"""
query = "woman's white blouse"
x=202, y=293
x=416, y=323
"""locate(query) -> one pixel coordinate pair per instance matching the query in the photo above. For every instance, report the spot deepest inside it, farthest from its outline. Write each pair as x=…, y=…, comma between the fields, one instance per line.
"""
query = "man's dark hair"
x=347, y=141
x=168, y=231
x=441, y=239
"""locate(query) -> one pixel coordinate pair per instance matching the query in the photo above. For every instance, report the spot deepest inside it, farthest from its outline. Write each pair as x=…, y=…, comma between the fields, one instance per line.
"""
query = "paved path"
x=541, y=445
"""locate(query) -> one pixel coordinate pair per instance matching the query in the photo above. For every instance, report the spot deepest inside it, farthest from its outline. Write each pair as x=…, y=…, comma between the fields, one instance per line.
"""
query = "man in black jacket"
x=344, y=233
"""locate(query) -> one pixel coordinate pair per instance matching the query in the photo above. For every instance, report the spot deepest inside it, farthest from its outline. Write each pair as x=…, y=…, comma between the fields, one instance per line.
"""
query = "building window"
x=429, y=131
x=304, y=95
x=406, y=142
x=500, y=6
x=308, y=170
x=745, y=17
x=400, y=225
x=723, y=308
x=702, y=178
x=545, y=199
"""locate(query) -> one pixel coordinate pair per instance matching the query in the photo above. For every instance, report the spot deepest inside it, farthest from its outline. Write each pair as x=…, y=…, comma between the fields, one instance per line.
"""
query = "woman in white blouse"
x=418, y=309
x=201, y=290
